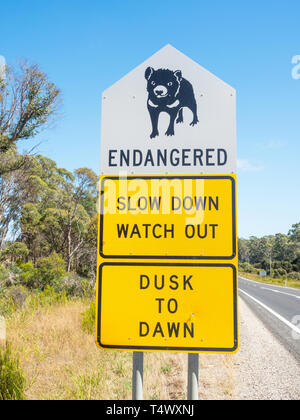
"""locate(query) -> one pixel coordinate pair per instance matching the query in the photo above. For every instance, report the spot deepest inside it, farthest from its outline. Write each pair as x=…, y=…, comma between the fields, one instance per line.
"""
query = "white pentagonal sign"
x=169, y=116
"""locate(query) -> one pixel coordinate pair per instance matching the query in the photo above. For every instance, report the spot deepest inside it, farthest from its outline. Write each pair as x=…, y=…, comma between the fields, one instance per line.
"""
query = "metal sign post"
x=193, y=376
x=137, y=375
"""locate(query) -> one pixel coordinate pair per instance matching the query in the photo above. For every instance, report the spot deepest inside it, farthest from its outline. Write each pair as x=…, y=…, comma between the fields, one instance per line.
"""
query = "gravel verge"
x=263, y=368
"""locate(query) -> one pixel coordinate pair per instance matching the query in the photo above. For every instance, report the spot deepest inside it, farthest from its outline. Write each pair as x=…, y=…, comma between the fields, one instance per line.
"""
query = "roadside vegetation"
x=278, y=255
x=48, y=241
x=53, y=356
x=12, y=380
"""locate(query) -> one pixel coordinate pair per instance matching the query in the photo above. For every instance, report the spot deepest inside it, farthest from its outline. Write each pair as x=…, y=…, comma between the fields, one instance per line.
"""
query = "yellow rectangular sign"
x=168, y=217
x=167, y=307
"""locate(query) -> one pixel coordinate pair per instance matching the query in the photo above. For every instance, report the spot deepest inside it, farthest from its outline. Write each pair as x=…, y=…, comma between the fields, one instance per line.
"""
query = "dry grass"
x=216, y=377
x=270, y=280
x=61, y=361
x=165, y=376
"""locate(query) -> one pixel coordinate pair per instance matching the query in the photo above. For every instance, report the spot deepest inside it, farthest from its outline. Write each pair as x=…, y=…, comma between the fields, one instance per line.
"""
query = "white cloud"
x=296, y=68
x=245, y=166
x=275, y=144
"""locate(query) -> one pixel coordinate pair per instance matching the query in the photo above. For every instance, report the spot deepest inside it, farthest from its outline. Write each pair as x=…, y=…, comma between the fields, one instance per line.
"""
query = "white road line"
x=267, y=284
x=283, y=293
x=285, y=321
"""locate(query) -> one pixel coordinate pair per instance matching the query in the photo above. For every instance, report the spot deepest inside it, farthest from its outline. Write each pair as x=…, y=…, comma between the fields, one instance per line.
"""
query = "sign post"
x=193, y=376
x=137, y=375
x=167, y=254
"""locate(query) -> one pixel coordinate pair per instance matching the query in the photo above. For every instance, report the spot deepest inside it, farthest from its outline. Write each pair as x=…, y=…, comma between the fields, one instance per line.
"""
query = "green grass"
x=88, y=319
x=270, y=280
x=165, y=369
x=12, y=380
x=19, y=299
x=86, y=384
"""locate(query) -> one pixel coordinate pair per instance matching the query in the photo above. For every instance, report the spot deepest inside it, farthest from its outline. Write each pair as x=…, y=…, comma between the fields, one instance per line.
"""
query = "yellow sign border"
x=167, y=348
x=168, y=257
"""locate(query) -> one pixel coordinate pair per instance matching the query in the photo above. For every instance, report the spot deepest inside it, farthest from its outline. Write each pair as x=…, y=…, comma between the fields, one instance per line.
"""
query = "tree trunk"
x=69, y=250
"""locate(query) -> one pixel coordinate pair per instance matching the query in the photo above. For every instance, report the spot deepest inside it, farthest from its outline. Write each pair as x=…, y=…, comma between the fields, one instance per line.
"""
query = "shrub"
x=294, y=275
x=2, y=281
x=12, y=380
x=257, y=266
x=15, y=251
x=49, y=296
x=7, y=306
x=278, y=273
x=88, y=319
x=29, y=275
x=246, y=267
x=76, y=286
x=46, y=298
x=10, y=274
x=18, y=295
x=296, y=264
x=3, y=274
x=51, y=270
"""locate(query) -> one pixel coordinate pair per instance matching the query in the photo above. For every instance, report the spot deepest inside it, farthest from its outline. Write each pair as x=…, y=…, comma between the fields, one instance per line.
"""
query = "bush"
x=76, y=286
x=88, y=319
x=7, y=306
x=247, y=268
x=10, y=274
x=50, y=297
x=258, y=266
x=29, y=275
x=278, y=273
x=51, y=270
x=46, y=298
x=296, y=264
x=3, y=275
x=12, y=380
x=18, y=296
x=15, y=251
x=294, y=275
x=283, y=265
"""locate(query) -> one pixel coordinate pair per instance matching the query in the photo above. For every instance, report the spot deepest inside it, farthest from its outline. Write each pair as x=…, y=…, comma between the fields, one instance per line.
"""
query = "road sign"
x=167, y=254
x=167, y=306
x=262, y=273
x=169, y=217
x=169, y=115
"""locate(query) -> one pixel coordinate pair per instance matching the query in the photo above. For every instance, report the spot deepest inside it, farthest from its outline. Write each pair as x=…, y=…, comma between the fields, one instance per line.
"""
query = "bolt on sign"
x=167, y=243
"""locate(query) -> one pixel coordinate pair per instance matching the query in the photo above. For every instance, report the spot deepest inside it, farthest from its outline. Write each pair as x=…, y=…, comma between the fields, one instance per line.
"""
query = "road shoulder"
x=263, y=367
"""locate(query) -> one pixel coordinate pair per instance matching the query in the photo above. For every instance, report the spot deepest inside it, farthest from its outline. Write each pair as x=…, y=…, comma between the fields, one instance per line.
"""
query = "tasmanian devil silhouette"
x=169, y=92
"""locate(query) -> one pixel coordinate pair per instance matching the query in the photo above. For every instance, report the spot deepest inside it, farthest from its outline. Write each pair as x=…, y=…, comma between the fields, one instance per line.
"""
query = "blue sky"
x=86, y=46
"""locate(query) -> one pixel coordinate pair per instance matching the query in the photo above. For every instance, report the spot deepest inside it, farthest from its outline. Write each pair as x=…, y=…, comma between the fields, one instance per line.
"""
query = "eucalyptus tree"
x=28, y=103
x=58, y=215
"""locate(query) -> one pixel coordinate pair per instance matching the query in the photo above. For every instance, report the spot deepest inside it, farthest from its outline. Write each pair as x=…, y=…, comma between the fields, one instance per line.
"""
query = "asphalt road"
x=279, y=309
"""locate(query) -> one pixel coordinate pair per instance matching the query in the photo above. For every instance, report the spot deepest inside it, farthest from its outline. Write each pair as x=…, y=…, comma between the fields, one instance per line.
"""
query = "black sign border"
x=178, y=257
x=162, y=348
